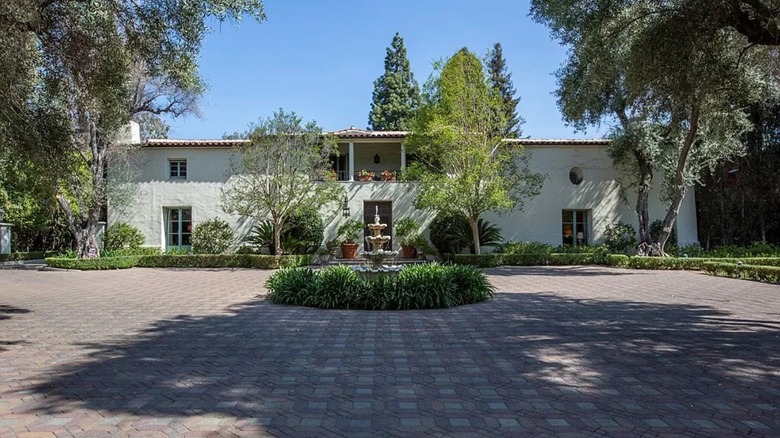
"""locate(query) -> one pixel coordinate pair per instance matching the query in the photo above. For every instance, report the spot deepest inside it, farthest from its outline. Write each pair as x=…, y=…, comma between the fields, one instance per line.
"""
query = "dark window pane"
x=174, y=240
x=174, y=227
x=185, y=239
x=581, y=216
x=174, y=215
x=186, y=214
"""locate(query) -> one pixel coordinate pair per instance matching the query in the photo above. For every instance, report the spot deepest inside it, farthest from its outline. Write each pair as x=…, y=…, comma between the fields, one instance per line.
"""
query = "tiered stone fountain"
x=377, y=255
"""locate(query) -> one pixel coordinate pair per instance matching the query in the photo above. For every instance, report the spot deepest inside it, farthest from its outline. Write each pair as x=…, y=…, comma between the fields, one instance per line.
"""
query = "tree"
x=283, y=166
x=396, y=94
x=501, y=81
x=679, y=100
x=68, y=72
x=466, y=166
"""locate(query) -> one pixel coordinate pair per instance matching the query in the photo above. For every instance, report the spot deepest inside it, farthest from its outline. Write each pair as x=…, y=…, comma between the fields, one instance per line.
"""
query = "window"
x=576, y=176
x=177, y=169
x=575, y=227
x=179, y=227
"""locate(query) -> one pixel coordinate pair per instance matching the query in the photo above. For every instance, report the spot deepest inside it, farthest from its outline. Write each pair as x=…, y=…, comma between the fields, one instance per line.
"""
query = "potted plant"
x=366, y=175
x=349, y=234
x=418, y=244
x=407, y=228
x=388, y=175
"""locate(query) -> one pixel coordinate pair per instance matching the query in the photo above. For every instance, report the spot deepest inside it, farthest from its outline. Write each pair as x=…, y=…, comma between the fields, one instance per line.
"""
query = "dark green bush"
x=92, y=264
x=213, y=236
x=222, y=261
x=302, y=232
x=126, y=252
x=415, y=287
x=620, y=238
x=766, y=274
x=182, y=261
x=121, y=235
x=19, y=256
x=757, y=249
x=524, y=248
x=446, y=232
x=692, y=263
x=494, y=260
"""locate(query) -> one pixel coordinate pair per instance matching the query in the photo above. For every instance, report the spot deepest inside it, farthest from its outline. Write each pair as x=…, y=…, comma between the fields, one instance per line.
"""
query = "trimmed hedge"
x=766, y=274
x=19, y=256
x=92, y=264
x=679, y=263
x=555, y=259
x=182, y=261
x=414, y=287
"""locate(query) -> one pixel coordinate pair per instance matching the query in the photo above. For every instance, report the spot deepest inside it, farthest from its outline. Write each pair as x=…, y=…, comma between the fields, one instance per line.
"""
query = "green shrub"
x=213, y=236
x=19, y=256
x=766, y=274
x=655, y=231
x=406, y=227
x=351, y=231
x=223, y=261
x=556, y=259
x=757, y=249
x=447, y=233
x=580, y=249
x=126, y=252
x=302, y=233
x=415, y=287
x=182, y=261
x=92, y=264
x=676, y=263
x=121, y=235
x=524, y=248
x=620, y=238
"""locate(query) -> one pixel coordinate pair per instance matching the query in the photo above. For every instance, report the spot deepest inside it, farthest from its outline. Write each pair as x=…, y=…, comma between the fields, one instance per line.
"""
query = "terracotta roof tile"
x=353, y=132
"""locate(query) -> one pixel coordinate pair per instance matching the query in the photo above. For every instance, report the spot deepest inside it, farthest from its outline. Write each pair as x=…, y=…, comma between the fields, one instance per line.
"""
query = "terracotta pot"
x=349, y=250
x=410, y=252
x=388, y=178
x=366, y=178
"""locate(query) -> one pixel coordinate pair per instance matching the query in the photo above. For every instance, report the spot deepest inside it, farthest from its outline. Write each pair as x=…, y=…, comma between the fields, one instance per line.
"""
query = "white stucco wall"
x=539, y=220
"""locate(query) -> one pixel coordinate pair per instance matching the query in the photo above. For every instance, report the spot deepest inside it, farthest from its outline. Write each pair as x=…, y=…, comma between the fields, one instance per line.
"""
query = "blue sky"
x=320, y=59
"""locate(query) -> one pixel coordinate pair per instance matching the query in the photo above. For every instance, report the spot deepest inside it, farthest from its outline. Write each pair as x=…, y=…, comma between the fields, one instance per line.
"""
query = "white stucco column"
x=351, y=161
x=403, y=158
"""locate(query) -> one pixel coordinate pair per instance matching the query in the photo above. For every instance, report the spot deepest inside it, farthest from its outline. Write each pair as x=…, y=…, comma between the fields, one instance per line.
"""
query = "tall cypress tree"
x=396, y=94
x=501, y=81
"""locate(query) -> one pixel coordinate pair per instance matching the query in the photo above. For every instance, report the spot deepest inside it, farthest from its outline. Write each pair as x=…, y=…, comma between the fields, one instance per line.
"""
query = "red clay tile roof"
x=353, y=132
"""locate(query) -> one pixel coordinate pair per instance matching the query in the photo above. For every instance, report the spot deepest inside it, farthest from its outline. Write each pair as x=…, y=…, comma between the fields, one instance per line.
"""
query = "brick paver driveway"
x=560, y=351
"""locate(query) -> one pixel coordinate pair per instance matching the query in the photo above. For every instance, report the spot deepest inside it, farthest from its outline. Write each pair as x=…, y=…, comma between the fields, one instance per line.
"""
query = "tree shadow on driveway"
x=7, y=312
x=528, y=363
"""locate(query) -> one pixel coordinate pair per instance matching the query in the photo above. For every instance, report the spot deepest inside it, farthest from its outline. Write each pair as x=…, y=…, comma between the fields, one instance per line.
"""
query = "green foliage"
x=121, y=235
x=406, y=227
x=766, y=274
x=125, y=252
x=465, y=166
x=178, y=251
x=529, y=259
x=679, y=95
x=677, y=263
x=656, y=228
x=396, y=94
x=757, y=249
x=415, y=287
x=524, y=248
x=213, y=236
x=306, y=226
x=447, y=232
x=181, y=261
x=501, y=81
x=620, y=237
x=351, y=231
x=284, y=166
x=101, y=263
x=19, y=256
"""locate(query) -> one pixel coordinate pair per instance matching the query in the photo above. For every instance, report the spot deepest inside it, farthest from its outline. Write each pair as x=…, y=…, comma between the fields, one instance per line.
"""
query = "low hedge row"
x=182, y=261
x=19, y=256
x=92, y=264
x=767, y=274
x=678, y=263
x=428, y=286
x=555, y=259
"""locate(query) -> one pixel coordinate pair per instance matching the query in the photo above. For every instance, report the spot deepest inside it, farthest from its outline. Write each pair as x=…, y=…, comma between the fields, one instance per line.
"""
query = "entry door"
x=385, y=217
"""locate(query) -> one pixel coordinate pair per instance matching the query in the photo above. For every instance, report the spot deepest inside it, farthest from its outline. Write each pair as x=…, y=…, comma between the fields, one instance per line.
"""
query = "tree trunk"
x=644, y=247
x=278, y=224
x=679, y=185
x=474, y=222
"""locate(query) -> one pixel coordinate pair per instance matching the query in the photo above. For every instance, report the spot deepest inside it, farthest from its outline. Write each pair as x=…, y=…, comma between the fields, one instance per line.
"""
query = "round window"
x=575, y=175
